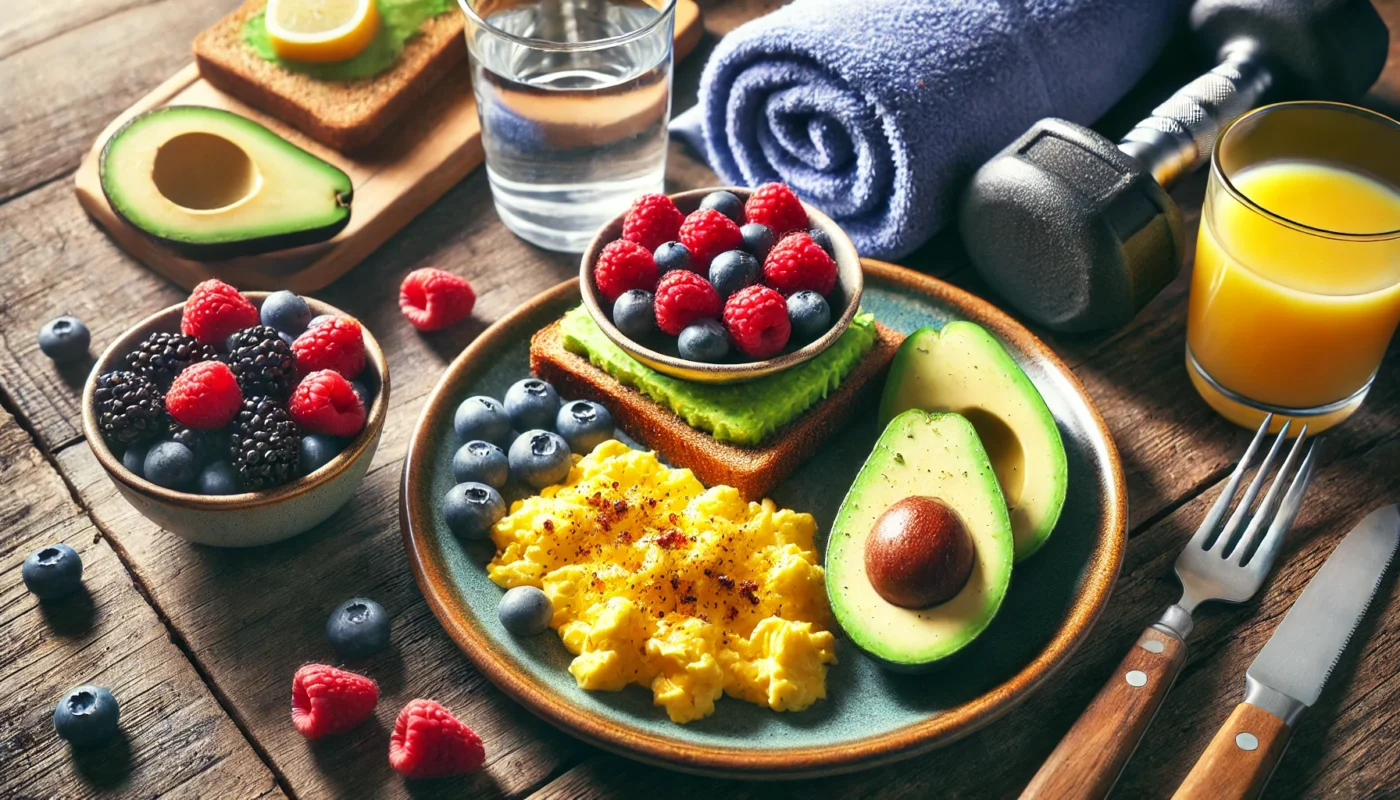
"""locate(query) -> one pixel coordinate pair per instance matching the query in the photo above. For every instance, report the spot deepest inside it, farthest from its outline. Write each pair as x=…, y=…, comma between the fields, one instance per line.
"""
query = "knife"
x=1288, y=674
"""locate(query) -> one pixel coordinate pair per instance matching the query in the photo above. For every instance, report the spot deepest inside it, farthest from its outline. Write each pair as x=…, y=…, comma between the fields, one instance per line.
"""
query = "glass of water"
x=574, y=96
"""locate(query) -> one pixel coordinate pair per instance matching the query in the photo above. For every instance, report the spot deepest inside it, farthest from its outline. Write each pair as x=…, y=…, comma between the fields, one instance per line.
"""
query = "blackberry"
x=164, y=355
x=130, y=407
x=262, y=362
x=207, y=446
x=265, y=444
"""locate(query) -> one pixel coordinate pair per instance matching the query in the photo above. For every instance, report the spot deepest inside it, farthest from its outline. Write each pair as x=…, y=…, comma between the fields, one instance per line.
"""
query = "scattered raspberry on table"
x=796, y=263
x=652, y=221
x=216, y=310
x=433, y=299
x=204, y=396
x=682, y=297
x=624, y=265
x=757, y=319
x=324, y=402
x=327, y=701
x=428, y=742
x=337, y=343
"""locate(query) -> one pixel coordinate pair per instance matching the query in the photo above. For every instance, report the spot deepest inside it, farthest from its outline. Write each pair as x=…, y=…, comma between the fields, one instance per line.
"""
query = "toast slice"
x=754, y=471
x=344, y=115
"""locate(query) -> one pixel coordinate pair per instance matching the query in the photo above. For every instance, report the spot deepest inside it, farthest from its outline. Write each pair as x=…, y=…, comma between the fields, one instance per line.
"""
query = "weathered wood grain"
x=27, y=24
x=175, y=739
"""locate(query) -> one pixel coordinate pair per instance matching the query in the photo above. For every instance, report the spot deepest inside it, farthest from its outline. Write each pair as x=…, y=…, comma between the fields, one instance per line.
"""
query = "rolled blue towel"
x=878, y=111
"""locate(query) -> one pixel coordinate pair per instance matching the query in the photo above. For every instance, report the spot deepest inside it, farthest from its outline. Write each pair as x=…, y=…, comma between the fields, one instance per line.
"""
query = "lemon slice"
x=321, y=30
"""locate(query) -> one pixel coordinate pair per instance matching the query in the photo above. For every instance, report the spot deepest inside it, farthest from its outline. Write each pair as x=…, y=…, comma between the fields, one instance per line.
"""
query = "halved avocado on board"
x=210, y=184
x=961, y=368
x=920, y=455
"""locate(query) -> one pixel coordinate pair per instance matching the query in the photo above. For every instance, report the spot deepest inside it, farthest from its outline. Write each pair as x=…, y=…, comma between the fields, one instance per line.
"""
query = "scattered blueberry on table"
x=358, y=628
x=525, y=611
x=53, y=571
x=65, y=339
x=87, y=715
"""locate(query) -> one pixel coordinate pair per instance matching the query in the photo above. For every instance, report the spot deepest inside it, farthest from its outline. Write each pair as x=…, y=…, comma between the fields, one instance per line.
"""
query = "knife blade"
x=1288, y=674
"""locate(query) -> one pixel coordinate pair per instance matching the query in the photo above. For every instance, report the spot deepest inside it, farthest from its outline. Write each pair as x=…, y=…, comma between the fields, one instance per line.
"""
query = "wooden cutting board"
x=398, y=176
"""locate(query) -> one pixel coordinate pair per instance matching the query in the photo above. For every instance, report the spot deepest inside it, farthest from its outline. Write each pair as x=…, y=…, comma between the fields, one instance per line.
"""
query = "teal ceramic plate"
x=870, y=716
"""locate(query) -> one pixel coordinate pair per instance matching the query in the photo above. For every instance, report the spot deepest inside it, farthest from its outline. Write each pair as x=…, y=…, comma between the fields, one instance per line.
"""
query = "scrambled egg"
x=660, y=582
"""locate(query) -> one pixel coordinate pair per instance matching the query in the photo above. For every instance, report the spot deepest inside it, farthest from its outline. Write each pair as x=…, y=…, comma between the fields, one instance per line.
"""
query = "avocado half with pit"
x=936, y=458
x=962, y=369
x=210, y=184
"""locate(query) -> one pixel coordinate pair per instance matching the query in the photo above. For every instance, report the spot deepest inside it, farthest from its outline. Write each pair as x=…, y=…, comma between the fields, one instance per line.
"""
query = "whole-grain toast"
x=344, y=115
x=754, y=471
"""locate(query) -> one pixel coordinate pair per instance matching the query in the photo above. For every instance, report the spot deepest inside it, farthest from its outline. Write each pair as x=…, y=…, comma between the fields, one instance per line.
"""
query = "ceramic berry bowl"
x=749, y=304
x=276, y=467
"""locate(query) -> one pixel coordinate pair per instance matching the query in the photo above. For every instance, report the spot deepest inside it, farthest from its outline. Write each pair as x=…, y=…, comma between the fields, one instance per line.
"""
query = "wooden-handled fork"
x=1226, y=565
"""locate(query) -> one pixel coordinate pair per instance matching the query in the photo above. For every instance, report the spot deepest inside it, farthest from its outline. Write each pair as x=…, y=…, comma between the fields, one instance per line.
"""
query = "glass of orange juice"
x=1296, y=290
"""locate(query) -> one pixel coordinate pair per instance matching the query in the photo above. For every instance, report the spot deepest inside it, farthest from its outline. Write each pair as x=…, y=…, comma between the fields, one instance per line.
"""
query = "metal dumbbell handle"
x=1181, y=132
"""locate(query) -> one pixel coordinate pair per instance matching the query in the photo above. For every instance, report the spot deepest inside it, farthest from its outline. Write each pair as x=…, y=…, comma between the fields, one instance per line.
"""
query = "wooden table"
x=200, y=644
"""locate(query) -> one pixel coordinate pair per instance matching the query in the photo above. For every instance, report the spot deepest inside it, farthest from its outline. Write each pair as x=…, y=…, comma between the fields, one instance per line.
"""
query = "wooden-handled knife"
x=1288, y=674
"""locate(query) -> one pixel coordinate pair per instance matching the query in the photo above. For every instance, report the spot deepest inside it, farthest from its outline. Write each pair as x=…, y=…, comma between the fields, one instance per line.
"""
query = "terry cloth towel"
x=878, y=111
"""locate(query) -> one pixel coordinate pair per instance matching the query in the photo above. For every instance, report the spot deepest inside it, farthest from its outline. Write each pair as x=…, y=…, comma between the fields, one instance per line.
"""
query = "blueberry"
x=362, y=392
x=134, y=458
x=288, y=338
x=172, y=465
x=317, y=450
x=358, y=628
x=670, y=256
x=727, y=204
x=634, y=313
x=470, y=509
x=481, y=462
x=64, y=339
x=53, y=571
x=525, y=611
x=705, y=340
x=286, y=312
x=810, y=315
x=823, y=240
x=86, y=715
x=483, y=418
x=584, y=425
x=531, y=403
x=731, y=271
x=540, y=458
x=318, y=319
x=221, y=478
x=758, y=239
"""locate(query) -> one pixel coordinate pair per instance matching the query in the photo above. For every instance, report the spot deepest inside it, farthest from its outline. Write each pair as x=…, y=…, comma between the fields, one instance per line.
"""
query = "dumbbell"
x=1078, y=233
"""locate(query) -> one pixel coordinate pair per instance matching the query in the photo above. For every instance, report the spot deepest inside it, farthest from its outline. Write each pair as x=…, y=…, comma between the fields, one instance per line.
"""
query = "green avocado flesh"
x=211, y=184
x=740, y=413
x=399, y=21
x=931, y=455
x=962, y=369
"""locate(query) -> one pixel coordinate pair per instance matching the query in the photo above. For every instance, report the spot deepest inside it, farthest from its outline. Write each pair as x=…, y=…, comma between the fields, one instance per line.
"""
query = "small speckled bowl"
x=251, y=518
x=844, y=300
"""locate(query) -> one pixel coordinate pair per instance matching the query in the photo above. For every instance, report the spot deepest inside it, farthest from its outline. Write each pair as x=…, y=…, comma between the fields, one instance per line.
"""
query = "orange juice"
x=1296, y=293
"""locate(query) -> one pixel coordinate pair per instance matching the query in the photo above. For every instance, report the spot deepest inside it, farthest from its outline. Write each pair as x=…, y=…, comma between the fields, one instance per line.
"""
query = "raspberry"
x=651, y=221
x=214, y=311
x=205, y=396
x=336, y=344
x=774, y=205
x=798, y=262
x=757, y=319
x=683, y=297
x=707, y=233
x=428, y=742
x=325, y=403
x=433, y=299
x=624, y=265
x=326, y=700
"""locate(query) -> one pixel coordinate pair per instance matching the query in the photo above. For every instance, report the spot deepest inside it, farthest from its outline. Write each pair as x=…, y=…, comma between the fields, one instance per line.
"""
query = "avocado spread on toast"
x=400, y=20
x=742, y=413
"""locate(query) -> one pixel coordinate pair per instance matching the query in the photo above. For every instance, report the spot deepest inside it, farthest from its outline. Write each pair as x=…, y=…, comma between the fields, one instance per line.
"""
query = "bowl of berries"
x=722, y=285
x=238, y=419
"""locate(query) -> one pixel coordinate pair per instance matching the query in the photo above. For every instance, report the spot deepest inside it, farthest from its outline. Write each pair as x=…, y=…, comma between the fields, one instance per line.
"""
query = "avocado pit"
x=204, y=172
x=919, y=553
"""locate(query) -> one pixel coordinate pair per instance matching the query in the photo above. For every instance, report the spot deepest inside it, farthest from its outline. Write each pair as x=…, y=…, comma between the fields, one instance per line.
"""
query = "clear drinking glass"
x=574, y=97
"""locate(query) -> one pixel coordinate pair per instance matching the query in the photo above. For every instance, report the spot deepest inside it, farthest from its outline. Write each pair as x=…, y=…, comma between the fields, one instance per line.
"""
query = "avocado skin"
x=223, y=250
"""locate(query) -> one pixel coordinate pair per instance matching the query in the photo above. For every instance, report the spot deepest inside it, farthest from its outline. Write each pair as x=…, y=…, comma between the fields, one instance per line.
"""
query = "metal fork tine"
x=1269, y=504
x=1227, y=534
x=1288, y=511
x=1222, y=503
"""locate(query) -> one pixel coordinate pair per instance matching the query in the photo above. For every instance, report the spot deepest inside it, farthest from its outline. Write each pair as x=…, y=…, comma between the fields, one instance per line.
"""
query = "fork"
x=1228, y=565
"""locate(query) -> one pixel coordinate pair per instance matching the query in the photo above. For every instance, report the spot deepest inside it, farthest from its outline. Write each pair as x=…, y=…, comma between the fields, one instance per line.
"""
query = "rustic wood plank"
x=1340, y=749
x=176, y=741
x=28, y=24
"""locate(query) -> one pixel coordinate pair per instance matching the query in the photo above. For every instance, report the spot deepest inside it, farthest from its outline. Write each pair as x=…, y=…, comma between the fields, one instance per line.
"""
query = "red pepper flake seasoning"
x=726, y=581
x=651, y=502
x=624, y=538
x=731, y=614
x=620, y=507
x=670, y=540
x=549, y=525
x=675, y=583
x=688, y=600
x=749, y=591
x=674, y=519
x=660, y=614
x=614, y=484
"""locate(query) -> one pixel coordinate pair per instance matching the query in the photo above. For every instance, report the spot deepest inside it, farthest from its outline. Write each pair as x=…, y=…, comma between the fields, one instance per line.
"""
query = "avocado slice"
x=932, y=455
x=963, y=369
x=210, y=184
